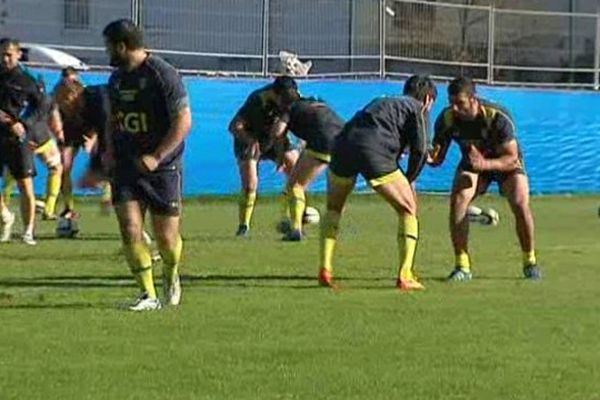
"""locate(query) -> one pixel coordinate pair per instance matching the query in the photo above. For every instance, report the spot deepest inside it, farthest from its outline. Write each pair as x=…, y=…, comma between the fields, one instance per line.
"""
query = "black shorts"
x=160, y=190
x=240, y=150
x=372, y=162
x=321, y=147
x=18, y=157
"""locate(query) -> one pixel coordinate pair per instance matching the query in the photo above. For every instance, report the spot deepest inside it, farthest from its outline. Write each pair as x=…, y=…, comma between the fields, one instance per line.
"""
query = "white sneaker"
x=145, y=303
x=6, y=230
x=172, y=291
x=27, y=238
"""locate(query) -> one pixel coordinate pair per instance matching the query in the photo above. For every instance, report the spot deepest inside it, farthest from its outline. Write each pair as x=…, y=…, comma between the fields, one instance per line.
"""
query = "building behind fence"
x=537, y=42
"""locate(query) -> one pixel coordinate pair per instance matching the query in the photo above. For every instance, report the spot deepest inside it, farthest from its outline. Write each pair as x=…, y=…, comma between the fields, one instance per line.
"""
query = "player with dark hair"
x=371, y=144
x=251, y=127
x=43, y=139
x=151, y=113
x=313, y=121
x=486, y=135
x=20, y=110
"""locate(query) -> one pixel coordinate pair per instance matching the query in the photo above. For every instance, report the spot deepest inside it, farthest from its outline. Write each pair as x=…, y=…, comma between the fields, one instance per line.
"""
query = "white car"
x=42, y=56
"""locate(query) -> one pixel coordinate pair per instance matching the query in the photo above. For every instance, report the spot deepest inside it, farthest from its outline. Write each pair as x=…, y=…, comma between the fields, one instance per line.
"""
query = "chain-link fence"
x=341, y=37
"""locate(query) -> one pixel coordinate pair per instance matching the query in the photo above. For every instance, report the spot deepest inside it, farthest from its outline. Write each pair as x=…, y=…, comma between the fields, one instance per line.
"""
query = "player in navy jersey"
x=151, y=117
x=486, y=135
x=371, y=144
x=315, y=122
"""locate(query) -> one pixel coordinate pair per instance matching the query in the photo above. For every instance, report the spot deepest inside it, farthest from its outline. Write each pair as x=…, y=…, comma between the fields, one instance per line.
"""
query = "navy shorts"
x=160, y=190
x=18, y=157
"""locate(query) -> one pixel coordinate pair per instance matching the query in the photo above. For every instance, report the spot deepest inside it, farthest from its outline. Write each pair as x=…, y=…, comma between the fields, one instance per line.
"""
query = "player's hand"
x=32, y=145
x=478, y=162
x=6, y=118
x=148, y=163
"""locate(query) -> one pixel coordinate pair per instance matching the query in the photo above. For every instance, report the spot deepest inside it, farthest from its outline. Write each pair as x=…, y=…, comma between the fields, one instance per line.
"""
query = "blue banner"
x=557, y=130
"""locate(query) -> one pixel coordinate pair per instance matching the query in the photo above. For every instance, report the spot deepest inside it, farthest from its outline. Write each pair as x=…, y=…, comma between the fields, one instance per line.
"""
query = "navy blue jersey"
x=487, y=132
x=21, y=97
x=258, y=112
x=143, y=103
x=310, y=118
x=391, y=125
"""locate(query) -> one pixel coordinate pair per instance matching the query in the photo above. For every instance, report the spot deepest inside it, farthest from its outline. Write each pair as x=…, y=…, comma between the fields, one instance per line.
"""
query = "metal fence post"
x=382, y=39
x=491, y=44
x=265, y=37
x=134, y=11
x=597, y=52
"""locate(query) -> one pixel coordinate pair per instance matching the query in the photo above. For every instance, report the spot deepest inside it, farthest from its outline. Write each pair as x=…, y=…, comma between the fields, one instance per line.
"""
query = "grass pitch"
x=254, y=324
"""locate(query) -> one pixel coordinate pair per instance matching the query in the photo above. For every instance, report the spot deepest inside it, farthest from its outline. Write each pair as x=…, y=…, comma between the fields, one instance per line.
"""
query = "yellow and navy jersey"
x=259, y=112
x=392, y=126
x=312, y=119
x=143, y=104
x=492, y=127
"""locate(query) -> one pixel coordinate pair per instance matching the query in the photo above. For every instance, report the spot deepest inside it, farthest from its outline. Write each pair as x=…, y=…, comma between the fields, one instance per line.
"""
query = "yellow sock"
x=52, y=191
x=246, y=204
x=285, y=208
x=329, y=231
x=297, y=204
x=172, y=260
x=140, y=262
x=106, y=192
x=408, y=237
x=9, y=186
x=67, y=191
x=463, y=261
x=529, y=258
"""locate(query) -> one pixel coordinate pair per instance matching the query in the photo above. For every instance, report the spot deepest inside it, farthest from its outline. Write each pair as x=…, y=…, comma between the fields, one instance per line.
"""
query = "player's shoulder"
x=494, y=111
x=160, y=69
x=445, y=117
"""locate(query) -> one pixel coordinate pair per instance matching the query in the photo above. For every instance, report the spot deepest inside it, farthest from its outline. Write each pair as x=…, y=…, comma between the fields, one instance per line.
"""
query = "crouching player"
x=485, y=133
x=251, y=127
x=152, y=116
x=317, y=124
x=371, y=144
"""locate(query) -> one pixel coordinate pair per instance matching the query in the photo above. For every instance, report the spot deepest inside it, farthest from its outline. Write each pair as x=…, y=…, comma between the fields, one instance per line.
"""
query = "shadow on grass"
x=56, y=306
x=236, y=281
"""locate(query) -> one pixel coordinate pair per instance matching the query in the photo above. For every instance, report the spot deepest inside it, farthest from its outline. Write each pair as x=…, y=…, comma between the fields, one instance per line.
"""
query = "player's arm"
x=418, y=148
x=441, y=141
x=55, y=124
x=239, y=126
x=508, y=149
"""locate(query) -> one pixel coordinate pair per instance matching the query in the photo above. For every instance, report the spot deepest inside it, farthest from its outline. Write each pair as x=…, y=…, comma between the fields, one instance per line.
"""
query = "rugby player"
x=371, y=144
x=70, y=100
x=486, y=135
x=317, y=125
x=20, y=110
x=151, y=112
x=251, y=127
x=43, y=139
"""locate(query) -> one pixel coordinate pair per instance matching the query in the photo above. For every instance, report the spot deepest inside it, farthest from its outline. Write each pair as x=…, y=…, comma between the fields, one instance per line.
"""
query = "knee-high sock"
x=297, y=204
x=529, y=258
x=285, y=207
x=106, y=192
x=329, y=231
x=9, y=186
x=246, y=204
x=52, y=191
x=140, y=262
x=171, y=259
x=408, y=238
x=67, y=192
x=463, y=260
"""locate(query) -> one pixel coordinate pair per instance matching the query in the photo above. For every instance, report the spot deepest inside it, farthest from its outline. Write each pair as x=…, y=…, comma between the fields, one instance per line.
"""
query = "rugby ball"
x=311, y=215
x=66, y=228
x=485, y=216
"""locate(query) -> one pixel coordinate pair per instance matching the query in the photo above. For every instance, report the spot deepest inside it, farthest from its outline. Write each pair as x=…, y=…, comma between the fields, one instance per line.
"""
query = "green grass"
x=254, y=325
